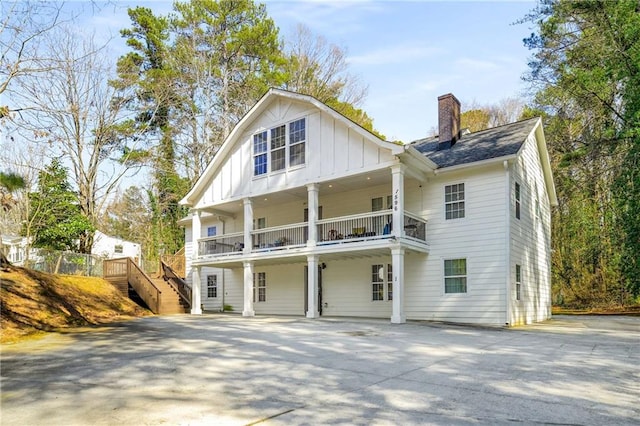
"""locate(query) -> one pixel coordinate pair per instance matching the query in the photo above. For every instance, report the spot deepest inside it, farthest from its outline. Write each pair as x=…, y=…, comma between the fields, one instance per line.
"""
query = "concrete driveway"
x=224, y=369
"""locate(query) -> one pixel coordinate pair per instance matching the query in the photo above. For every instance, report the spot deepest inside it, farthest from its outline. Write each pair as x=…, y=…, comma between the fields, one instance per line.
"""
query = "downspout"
x=507, y=245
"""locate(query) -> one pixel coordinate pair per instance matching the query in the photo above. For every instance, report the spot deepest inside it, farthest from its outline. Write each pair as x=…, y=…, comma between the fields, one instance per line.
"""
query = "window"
x=517, y=193
x=212, y=231
x=297, y=138
x=377, y=282
x=260, y=154
x=455, y=276
x=212, y=286
x=378, y=204
x=260, y=287
x=518, y=281
x=280, y=147
x=118, y=249
x=389, y=282
x=454, y=201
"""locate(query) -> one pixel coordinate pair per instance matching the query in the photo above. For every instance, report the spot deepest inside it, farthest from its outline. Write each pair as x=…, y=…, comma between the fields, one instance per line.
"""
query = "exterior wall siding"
x=530, y=239
x=479, y=237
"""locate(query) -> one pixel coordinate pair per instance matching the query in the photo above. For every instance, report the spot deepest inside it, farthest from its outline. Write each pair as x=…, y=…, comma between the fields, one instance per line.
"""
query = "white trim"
x=240, y=128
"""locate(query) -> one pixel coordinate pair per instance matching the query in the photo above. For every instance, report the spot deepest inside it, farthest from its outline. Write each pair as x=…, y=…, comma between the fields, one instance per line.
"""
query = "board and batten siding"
x=333, y=150
x=479, y=237
x=530, y=239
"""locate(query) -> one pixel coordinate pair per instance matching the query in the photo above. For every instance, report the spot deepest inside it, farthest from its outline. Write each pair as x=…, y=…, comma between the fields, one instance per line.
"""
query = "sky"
x=406, y=52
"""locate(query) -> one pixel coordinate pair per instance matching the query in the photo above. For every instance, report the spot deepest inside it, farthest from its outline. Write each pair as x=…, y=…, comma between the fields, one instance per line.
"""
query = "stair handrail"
x=182, y=288
x=144, y=286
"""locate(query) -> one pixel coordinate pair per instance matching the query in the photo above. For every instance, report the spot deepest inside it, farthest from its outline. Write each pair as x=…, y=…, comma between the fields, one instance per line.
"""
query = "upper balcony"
x=356, y=232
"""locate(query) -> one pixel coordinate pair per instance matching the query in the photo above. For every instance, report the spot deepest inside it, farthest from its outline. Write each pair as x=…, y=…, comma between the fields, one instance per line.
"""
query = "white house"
x=109, y=247
x=303, y=212
x=14, y=248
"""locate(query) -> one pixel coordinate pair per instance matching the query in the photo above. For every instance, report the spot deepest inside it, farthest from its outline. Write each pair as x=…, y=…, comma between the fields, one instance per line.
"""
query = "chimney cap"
x=448, y=95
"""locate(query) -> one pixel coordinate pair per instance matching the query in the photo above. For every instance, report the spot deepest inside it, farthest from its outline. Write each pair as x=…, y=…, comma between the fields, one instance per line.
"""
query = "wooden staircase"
x=167, y=294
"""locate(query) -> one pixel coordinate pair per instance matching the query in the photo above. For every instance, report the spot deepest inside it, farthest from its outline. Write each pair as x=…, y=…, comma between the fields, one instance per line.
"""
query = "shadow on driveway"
x=225, y=369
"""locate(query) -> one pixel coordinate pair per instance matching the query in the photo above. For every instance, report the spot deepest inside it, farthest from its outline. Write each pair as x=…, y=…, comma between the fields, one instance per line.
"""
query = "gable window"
x=297, y=141
x=280, y=147
x=260, y=154
x=518, y=281
x=517, y=194
x=260, y=287
x=212, y=231
x=455, y=276
x=118, y=248
x=454, y=201
x=212, y=286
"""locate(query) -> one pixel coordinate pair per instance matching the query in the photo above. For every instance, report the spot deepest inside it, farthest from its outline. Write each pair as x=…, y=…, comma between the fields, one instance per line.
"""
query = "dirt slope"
x=33, y=302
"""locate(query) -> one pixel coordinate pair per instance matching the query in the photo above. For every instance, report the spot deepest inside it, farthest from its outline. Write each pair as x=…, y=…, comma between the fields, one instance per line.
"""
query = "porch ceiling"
x=299, y=194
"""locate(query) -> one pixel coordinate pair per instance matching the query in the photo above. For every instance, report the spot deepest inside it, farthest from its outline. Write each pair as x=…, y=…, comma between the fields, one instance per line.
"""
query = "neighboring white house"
x=303, y=212
x=14, y=248
x=109, y=247
x=104, y=246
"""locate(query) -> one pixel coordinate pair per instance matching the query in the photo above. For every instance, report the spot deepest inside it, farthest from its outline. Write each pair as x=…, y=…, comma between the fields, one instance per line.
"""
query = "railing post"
x=397, y=174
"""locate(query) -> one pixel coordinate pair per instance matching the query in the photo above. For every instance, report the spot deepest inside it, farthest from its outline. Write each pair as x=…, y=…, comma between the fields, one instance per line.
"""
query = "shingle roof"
x=484, y=145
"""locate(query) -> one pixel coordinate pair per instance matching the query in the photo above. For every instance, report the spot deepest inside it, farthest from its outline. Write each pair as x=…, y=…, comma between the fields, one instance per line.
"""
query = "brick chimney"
x=448, y=121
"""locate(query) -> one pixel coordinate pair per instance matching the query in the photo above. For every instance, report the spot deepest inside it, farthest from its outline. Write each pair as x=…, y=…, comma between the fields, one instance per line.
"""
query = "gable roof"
x=257, y=109
x=487, y=144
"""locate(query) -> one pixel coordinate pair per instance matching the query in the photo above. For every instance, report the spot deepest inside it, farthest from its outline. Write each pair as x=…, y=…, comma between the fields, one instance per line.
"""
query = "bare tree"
x=24, y=26
x=72, y=111
x=320, y=69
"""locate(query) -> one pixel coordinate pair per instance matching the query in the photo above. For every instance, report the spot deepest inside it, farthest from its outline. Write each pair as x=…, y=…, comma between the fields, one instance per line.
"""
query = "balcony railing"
x=279, y=237
x=358, y=226
x=415, y=227
x=343, y=229
x=221, y=244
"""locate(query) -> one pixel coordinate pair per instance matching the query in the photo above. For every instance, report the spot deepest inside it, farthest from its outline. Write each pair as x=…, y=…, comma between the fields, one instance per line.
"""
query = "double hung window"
x=212, y=286
x=260, y=287
x=454, y=201
x=455, y=276
x=381, y=280
x=279, y=148
x=518, y=282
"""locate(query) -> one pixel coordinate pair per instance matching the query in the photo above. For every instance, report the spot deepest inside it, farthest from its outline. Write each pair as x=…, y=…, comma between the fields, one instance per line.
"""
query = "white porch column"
x=248, y=311
x=196, y=229
x=397, y=261
x=397, y=185
x=196, y=285
x=312, y=286
x=312, y=204
x=196, y=282
x=248, y=225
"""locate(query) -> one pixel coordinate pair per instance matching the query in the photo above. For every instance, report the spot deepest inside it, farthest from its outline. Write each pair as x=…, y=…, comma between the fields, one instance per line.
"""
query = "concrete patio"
x=229, y=370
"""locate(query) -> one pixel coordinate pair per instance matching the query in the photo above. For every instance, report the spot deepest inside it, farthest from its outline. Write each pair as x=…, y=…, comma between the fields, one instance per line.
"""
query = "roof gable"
x=255, y=115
